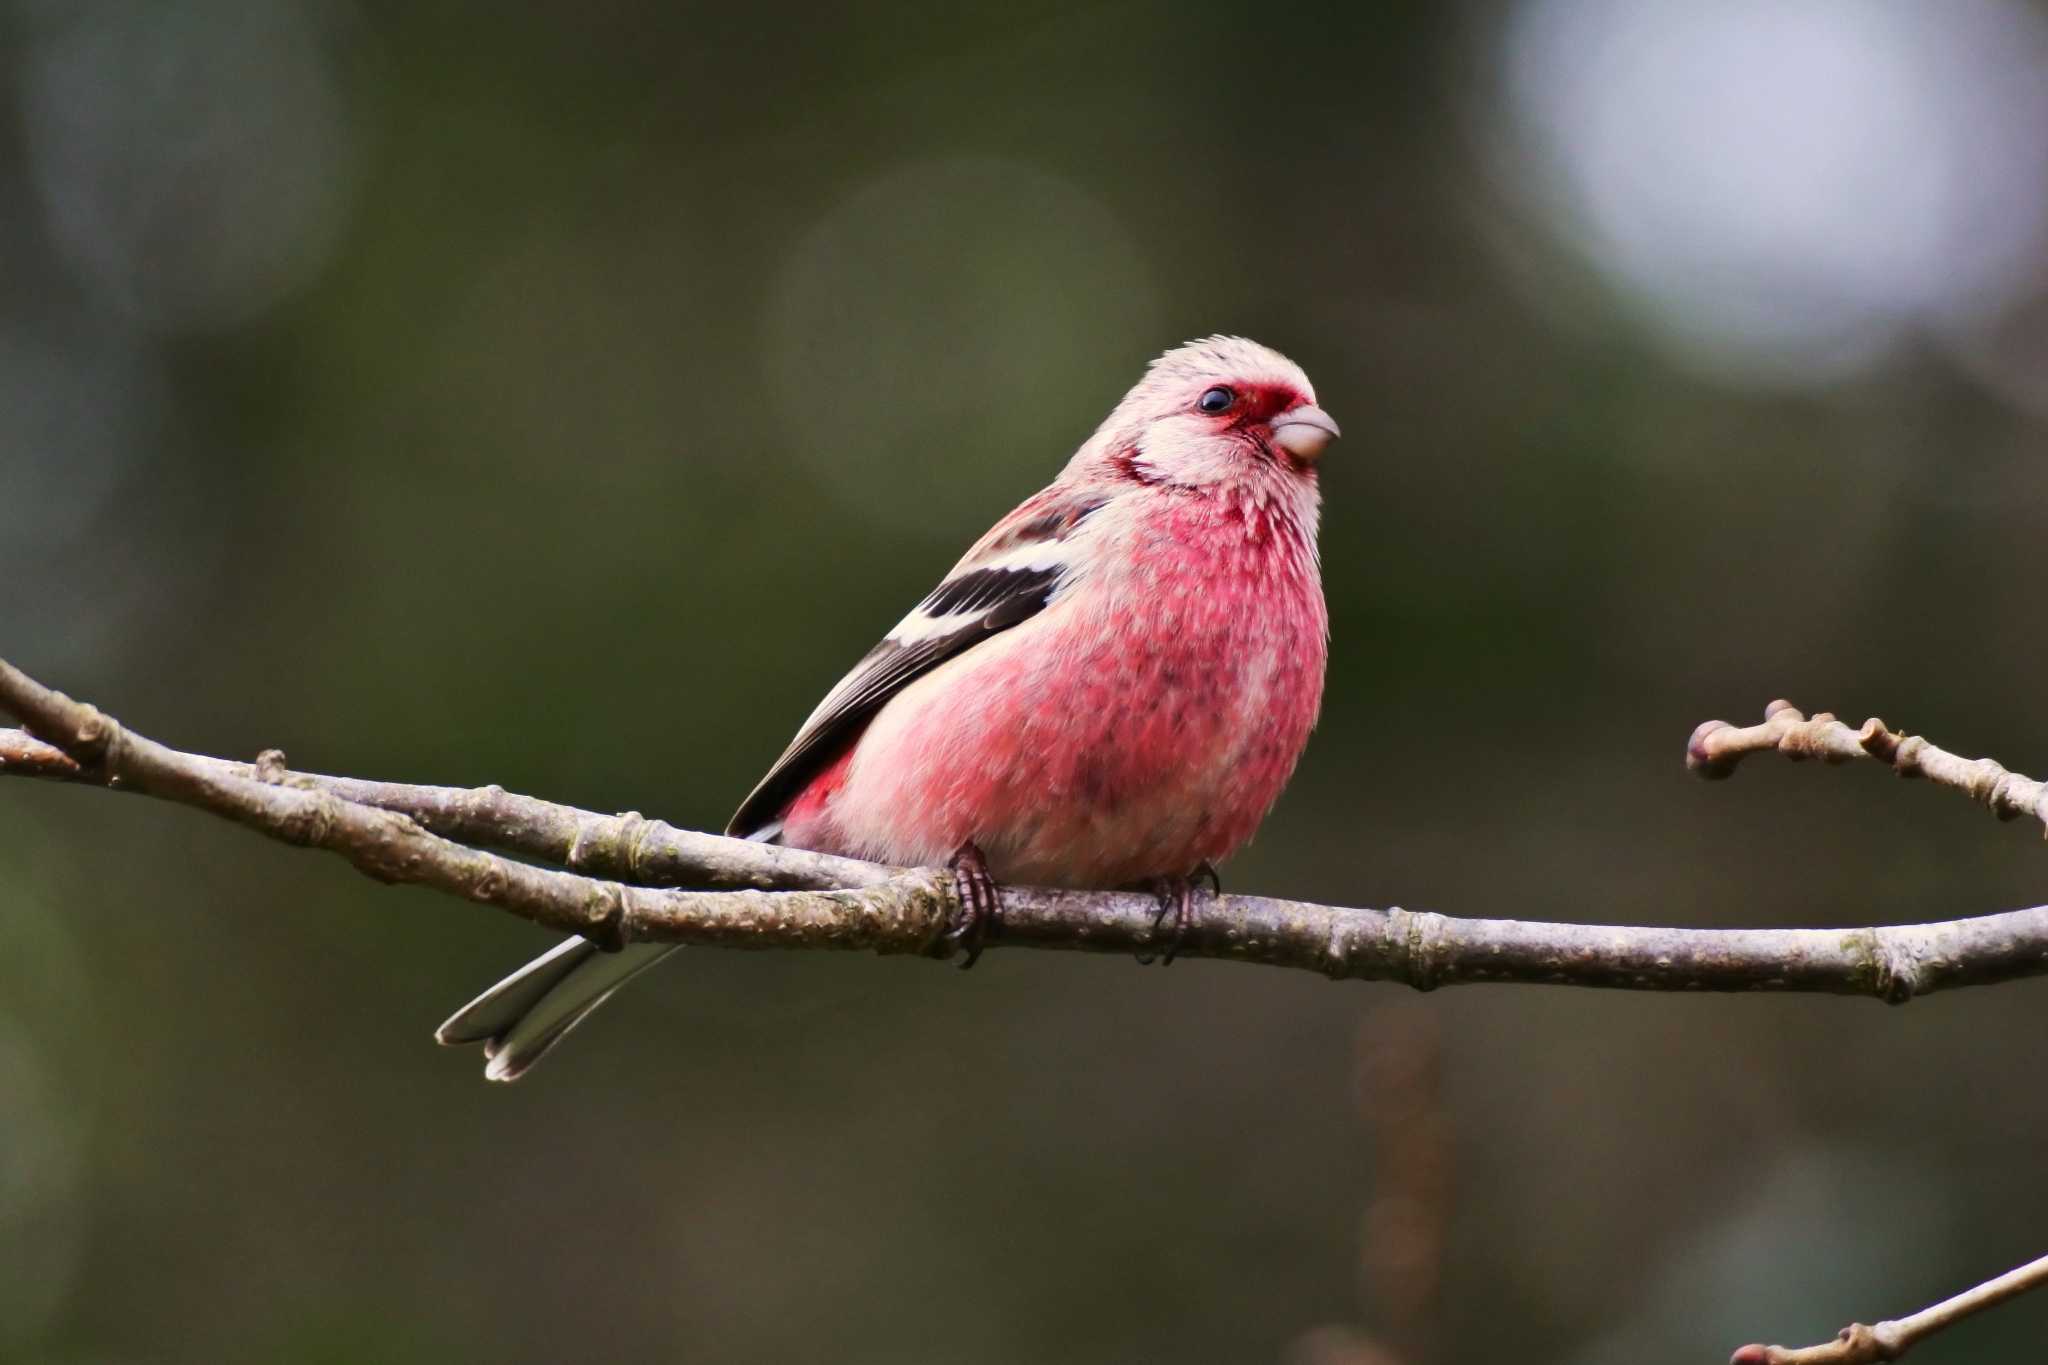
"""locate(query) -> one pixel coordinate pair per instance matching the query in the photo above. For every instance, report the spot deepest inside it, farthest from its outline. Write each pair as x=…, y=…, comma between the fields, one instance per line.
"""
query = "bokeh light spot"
x=194, y=161
x=1782, y=189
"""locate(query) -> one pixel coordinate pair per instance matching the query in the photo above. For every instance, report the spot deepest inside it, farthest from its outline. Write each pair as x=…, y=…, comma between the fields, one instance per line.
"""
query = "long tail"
x=530, y=1011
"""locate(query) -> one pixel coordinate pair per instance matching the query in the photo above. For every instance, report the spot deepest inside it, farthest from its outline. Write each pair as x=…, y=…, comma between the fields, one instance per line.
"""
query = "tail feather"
x=530, y=1011
x=568, y=1003
x=494, y=1012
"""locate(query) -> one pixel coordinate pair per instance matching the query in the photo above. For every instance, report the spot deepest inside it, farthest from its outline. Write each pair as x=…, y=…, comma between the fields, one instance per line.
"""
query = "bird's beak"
x=1304, y=431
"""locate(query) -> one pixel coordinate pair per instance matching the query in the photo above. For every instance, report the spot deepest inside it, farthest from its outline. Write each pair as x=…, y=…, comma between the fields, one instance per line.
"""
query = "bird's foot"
x=981, y=908
x=1177, y=898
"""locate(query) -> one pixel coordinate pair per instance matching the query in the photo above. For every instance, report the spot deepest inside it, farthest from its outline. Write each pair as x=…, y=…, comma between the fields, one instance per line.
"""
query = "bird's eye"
x=1216, y=400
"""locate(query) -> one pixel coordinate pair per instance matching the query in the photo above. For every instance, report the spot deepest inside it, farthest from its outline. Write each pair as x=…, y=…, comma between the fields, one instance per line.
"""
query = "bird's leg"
x=1174, y=895
x=981, y=907
x=1177, y=898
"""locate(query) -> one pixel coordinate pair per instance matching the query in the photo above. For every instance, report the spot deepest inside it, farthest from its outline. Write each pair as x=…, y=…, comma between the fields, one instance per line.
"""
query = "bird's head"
x=1215, y=412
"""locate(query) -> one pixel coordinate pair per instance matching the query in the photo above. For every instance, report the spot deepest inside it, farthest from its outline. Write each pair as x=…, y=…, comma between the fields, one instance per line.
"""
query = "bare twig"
x=1716, y=747
x=23, y=755
x=1862, y=1344
x=626, y=847
x=426, y=835
x=902, y=911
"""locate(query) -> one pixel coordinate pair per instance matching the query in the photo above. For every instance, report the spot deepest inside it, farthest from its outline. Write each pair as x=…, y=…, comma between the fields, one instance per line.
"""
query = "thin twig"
x=1863, y=1344
x=1716, y=747
x=901, y=911
x=403, y=834
x=626, y=847
x=23, y=755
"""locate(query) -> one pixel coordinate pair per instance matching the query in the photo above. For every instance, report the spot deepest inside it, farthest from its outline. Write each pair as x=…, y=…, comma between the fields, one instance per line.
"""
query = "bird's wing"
x=1007, y=578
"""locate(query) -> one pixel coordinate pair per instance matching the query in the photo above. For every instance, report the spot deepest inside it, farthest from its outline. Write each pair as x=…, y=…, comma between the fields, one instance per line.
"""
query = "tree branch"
x=625, y=847
x=615, y=880
x=622, y=868
x=1861, y=1344
x=1716, y=747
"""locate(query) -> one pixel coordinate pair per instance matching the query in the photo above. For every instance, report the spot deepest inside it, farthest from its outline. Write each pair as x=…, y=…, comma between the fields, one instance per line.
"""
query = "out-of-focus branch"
x=1862, y=1344
x=1716, y=747
x=791, y=899
x=1400, y=1098
x=1407, y=1223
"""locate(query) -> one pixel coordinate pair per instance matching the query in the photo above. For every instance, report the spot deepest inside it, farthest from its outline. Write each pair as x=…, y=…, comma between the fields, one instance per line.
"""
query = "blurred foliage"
x=563, y=396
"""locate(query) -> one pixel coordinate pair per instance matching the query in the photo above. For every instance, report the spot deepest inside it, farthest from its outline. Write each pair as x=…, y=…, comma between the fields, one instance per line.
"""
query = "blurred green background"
x=563, y=396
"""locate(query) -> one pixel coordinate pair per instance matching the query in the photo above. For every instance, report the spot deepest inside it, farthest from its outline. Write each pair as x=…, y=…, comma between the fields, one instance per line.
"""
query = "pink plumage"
x=1112, y=686
x=1141, y=724
x=1146, y=718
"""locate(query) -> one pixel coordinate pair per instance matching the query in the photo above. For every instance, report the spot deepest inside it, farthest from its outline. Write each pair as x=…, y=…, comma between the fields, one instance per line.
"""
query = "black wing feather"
x=999, y=598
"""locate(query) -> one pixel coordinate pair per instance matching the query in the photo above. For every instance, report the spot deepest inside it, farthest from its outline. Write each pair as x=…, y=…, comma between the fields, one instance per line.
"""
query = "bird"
x=1110, y=689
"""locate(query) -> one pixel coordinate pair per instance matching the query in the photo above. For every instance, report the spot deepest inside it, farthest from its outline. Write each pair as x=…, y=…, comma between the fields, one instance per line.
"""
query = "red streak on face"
x=1257, y=405
x=1264, y=402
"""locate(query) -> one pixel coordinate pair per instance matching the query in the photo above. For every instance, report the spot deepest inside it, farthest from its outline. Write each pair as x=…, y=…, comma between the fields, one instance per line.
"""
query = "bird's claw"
x=1177, y=898
x=981, y=907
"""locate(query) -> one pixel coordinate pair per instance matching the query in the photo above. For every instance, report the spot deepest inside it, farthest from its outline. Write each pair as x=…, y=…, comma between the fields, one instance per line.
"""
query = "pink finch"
x=1110, y=688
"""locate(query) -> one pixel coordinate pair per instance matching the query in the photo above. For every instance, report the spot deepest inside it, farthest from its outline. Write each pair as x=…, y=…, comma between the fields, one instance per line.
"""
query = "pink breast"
x=1138, y=727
